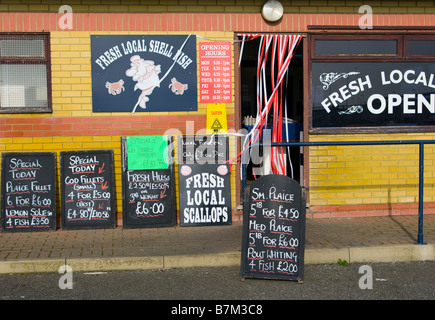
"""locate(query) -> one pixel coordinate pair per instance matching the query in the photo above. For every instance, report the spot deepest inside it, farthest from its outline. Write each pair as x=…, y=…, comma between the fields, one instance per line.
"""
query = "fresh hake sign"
x=373, y=94
x=132, y=73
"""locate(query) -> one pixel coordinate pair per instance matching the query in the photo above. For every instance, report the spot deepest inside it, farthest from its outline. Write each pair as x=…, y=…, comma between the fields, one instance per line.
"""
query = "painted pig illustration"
x=146, y=75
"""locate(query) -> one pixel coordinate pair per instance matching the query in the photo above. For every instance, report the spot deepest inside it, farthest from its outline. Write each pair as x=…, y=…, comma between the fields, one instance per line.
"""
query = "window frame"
x=31, y=61
x=401, y=56
x=418, y=57
x=354, y=57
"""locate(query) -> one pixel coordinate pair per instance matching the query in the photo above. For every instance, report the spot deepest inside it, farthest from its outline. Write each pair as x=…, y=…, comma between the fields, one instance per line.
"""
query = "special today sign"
x=373, y=94
x=132, y=73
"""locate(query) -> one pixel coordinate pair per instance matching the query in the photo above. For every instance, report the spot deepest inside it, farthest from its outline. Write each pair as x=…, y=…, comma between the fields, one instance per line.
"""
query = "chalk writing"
x=274, y=229
x=147, y=193
x=29, y=192
x=87, y=189
x=203, y=149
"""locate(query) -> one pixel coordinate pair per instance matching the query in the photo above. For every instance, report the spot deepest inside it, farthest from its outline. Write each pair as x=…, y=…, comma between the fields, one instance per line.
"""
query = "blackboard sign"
x=28, y=192
x=202, y=149
x=205, y=194
x=148, y=194
x=274, y=229
x=204, y=179
x=87, y=189
x=370, y=94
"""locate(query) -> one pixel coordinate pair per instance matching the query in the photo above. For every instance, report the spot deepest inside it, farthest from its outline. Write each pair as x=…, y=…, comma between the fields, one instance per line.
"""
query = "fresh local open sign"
x=373, y=94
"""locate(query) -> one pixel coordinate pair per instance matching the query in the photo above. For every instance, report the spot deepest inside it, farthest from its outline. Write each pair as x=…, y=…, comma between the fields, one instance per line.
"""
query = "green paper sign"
x=147, y=152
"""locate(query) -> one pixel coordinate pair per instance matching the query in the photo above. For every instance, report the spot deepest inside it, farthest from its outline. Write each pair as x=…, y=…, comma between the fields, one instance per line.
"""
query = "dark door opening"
x=292, y=95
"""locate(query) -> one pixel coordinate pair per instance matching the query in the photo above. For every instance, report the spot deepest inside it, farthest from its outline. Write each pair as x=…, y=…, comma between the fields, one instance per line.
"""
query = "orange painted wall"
x=197, y=21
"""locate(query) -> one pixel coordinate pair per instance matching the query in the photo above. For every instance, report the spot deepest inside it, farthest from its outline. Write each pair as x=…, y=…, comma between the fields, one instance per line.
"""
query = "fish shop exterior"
x=82, y=76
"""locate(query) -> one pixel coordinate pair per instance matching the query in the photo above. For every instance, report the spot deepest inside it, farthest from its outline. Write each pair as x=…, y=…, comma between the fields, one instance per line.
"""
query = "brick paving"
x=368, y=231
x=119, y=242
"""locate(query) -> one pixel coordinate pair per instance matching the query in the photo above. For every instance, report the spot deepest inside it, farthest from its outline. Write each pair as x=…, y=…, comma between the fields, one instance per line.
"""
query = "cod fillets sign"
x=274, y=229
x=28, y=192
x=87, y=189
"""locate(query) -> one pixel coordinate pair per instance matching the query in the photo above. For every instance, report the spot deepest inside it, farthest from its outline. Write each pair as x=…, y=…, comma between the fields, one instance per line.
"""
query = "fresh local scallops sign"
x=373, y=94
x=132, y=73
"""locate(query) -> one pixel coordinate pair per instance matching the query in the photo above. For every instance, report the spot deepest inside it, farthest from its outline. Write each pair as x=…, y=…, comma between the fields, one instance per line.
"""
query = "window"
x=25, y=82
x=372, y=83
x=354, y=47
x=421, y=46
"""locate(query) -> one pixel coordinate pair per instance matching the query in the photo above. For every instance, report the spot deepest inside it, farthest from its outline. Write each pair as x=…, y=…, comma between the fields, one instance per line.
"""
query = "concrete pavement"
x=368, y=239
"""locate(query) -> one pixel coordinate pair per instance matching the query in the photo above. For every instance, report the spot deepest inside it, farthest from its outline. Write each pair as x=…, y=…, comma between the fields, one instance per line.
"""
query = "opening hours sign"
x=215, y=72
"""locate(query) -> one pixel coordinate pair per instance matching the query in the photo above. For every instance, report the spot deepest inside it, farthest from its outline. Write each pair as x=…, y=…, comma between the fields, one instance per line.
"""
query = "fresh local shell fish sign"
x=373, y=94
x=132, y=73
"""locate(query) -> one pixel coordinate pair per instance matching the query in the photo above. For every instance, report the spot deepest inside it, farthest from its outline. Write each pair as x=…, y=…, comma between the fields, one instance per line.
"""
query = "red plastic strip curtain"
x=281, y=49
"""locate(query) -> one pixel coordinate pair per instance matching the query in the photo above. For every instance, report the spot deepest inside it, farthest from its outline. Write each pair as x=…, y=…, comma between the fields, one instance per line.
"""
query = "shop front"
x=121, y=71
x=375, y=86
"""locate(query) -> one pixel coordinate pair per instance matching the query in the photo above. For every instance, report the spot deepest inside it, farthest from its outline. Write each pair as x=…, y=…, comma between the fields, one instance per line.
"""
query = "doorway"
x=292, y=106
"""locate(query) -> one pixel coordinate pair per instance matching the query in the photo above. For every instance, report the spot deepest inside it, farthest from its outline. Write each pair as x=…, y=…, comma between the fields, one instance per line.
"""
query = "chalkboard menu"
x=274, y=229
x=28, y=192
x=87, y=189
x=205, y=194
x=204, y=179
x=149, y=192
x=202, y=149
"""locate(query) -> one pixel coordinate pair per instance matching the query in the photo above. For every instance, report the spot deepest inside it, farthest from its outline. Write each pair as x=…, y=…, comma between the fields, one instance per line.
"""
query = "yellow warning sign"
x=217, y=117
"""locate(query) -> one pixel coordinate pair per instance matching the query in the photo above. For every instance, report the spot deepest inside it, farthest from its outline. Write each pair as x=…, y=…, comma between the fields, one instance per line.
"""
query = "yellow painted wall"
x=349, y=175
x=337, y=175
x=72, y=101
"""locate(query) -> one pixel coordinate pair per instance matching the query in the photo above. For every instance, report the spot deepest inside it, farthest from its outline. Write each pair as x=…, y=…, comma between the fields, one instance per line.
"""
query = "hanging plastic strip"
x=281, y=50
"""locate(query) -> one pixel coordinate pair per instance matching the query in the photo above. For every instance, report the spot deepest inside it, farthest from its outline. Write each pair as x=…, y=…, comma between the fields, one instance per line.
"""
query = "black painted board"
x=204, y=194
x=273, y=239
x=148, y=195
x=163, y=66
x=372, y=94
x=202, y=149
x=87, y=189
x=28, y=192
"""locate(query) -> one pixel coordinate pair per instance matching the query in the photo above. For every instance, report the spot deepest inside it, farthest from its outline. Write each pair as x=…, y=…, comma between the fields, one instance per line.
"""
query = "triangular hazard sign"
x=216, y=125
